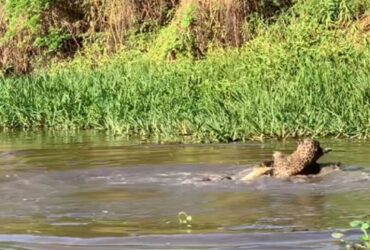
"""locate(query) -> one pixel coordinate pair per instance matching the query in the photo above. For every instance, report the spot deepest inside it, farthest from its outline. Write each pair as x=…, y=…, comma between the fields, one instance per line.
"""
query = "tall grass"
x=232, y=97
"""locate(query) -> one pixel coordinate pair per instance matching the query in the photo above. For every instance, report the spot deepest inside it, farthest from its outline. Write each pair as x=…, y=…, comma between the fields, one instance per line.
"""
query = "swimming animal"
x=301, y=162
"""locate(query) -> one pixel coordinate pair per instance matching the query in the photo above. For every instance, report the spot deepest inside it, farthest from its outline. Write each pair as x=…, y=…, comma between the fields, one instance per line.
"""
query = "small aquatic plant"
x=184, y=219
x=364, y=226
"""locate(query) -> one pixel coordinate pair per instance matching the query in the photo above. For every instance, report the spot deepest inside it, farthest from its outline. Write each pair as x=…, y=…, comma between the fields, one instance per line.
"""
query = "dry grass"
x=2, y=32
x=200, y=23
x=14, y=54
x=364, y=23
x=69, y=16
x=223, y=21
x=117, y=18
x=2, y=21
x=110, y=23
x=19, y=53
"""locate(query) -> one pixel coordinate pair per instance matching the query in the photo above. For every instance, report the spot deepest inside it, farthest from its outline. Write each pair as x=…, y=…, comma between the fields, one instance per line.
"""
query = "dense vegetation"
x=36, y=30
x=216, y=70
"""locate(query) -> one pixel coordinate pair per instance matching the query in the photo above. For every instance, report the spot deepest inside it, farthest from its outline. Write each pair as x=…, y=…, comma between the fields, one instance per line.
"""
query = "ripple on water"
x=107, y=195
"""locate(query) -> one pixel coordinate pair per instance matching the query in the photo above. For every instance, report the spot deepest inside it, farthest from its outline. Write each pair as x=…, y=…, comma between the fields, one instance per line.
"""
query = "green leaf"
x=365, y=226
x=356, y=223
x=365, y=238
x=337, y=235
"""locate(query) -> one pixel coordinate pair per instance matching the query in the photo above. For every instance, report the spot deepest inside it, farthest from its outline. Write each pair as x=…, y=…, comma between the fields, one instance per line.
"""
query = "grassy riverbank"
x=223, y=98
x=308, y=73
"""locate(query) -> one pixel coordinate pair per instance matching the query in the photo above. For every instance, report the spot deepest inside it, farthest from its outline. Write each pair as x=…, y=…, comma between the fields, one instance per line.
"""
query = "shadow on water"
x=90, y=191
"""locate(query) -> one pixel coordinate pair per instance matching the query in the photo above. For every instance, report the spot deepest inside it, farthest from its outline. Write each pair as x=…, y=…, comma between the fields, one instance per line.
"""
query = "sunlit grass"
x=224, y=99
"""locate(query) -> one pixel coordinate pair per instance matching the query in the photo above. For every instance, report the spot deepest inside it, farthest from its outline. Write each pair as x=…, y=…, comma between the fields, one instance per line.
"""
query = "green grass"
x=223, y=98
x=300, y=76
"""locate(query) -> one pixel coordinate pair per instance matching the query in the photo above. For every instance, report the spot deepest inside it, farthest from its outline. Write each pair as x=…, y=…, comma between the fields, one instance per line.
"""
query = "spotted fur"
x=300, y=162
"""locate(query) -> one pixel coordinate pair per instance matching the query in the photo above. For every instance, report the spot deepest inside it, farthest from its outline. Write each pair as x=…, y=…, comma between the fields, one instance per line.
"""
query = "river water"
x=88, y=190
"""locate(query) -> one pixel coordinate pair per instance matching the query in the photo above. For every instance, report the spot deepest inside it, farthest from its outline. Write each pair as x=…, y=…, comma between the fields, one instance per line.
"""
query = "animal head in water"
x=309, y=150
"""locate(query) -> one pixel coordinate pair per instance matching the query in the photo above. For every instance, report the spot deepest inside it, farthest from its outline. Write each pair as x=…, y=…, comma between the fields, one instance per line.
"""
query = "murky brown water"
x=91, y=191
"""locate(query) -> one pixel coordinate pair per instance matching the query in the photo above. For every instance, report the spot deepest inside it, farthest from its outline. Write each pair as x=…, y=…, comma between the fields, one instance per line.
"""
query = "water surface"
x=92, y=191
